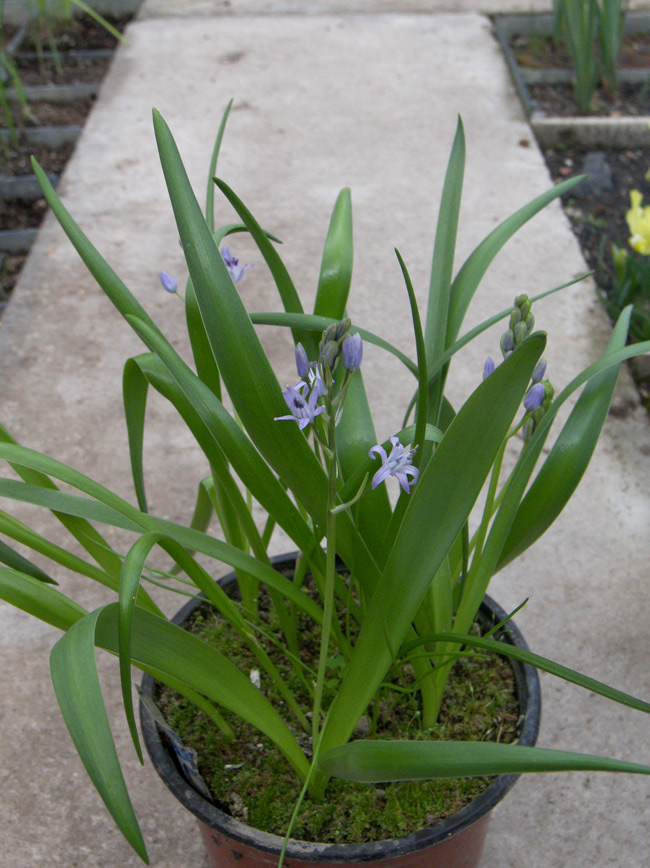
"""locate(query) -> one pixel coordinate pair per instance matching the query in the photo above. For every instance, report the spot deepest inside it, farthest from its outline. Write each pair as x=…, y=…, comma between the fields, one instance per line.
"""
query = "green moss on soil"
x=251, y=780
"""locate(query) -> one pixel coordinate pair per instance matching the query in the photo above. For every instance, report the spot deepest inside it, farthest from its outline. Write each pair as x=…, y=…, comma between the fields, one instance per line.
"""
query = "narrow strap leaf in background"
x=439, y=300
x=336, y=265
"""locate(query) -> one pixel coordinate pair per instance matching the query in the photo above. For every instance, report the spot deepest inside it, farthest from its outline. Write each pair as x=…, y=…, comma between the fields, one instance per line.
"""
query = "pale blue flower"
x=352, y=352
x=398, y=464
x=168, y=282
x=235, y=270
x=303, y=410
x=534, y=398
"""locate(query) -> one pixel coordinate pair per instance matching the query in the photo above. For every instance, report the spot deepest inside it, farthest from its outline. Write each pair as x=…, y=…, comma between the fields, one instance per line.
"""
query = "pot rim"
x=529, y=694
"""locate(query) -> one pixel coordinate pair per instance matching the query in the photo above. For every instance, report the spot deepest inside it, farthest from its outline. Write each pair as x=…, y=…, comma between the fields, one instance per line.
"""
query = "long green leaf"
x=243, y=364
x=218, y=434
x=567, y=461
x=288, y=293
x=188, y=398
x=134, y=396
x=189, y=539
x=439, y=300
x=39, y=599
x=336, y=265
x=319, y=324
x=492, y=551
x=79, y=694
x=376, y=761
x=505, y=649
x=470, y=275
x=114, y=288
x=64, y=502
x=204, y=360
x=80, y=529
x=25, y=535
x=159, y=644
x=209, y=196
x=442, y=500
x=13, y=559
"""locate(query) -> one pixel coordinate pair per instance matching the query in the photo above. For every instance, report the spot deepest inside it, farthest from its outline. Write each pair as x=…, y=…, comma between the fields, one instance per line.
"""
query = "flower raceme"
x=336, y=343
x=398, y=464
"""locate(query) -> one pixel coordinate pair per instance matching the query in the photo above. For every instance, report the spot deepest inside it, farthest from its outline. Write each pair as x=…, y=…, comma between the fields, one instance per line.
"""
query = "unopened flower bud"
x=352, y=352
x=528, y=429
x=540, y=370
x=488, y=367
x=168, y=282
x=507, y=343
x=329, y=354
x=534, y=398
x=524, y=304
x=530, y=322
x=329, y=334
x=302, y=362
x=343, y=328
x=520, y=332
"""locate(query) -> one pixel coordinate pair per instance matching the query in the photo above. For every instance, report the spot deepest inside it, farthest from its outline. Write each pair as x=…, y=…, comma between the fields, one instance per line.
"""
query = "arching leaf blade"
x=376, y=761
x=76, y=684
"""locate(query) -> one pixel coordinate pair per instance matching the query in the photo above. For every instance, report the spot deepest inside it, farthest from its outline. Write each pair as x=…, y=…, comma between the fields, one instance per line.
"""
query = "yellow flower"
x=638, y=219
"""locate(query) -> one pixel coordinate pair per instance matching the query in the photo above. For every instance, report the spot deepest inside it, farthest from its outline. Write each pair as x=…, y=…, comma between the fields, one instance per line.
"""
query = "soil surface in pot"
x=597, y=216
x=251, y=781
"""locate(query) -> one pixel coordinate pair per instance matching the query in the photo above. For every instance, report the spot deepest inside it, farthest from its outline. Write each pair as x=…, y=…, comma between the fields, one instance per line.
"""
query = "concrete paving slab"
x=321, y=102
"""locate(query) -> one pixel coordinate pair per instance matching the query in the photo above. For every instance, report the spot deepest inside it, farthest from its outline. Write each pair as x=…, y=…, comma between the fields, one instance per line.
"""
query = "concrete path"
x=321, y=102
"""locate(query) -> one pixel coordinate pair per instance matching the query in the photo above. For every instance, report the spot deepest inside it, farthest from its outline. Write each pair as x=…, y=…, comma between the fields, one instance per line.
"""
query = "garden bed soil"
x=17, y=161
x=21, y=215
x=597, y=212
x=73, y=39
x=77, y=34
x=10, y=266
x=557, y=100
x=542, y=52
x=74, y=69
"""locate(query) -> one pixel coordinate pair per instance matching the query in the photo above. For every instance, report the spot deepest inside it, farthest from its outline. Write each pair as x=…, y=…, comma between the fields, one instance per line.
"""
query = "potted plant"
x=415, y=574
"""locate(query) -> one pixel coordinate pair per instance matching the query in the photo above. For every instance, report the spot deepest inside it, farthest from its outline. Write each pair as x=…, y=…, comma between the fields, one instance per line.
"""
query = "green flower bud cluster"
x=521, y=325
x=331, y=345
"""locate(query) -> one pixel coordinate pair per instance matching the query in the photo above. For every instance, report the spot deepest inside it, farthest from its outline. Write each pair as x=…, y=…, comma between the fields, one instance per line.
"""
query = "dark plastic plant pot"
x=456, y=842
